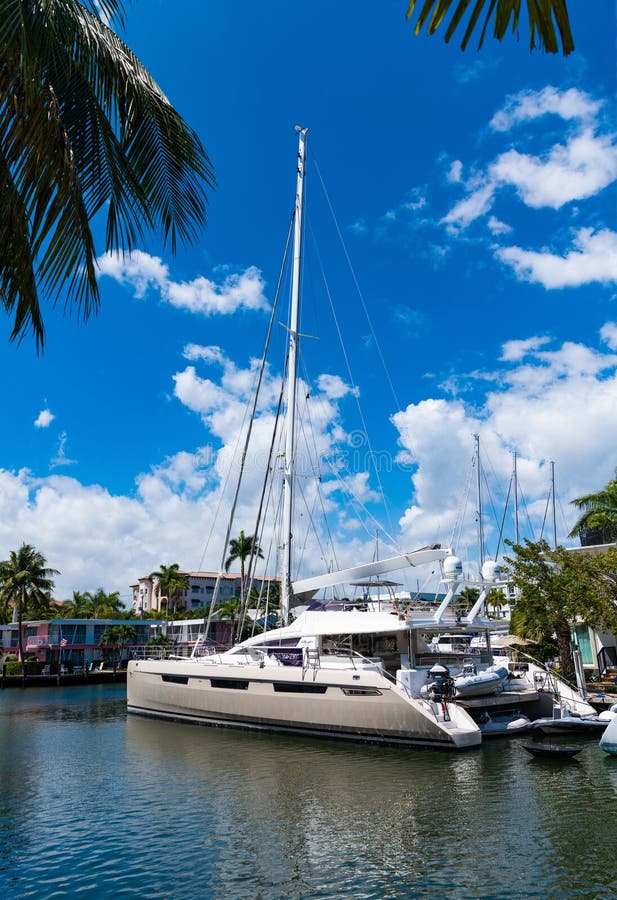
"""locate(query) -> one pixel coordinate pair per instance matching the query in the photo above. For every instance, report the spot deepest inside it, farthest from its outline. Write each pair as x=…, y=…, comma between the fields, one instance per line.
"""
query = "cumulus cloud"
x=142, y=272
x=549, y=404
x=528, y=105
x=608, y=333
x=514, y=351
x=593, y=259
x=545, y=401
x=44, y=419
x=575, y=169
x=334, y=387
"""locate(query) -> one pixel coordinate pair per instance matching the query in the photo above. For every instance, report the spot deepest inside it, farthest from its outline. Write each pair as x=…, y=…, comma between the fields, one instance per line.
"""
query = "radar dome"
x=492, y=571
x=452, y=567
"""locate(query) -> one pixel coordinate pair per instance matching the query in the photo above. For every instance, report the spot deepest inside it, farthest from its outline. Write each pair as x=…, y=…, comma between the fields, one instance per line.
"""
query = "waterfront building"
x=73, y=642
x=199, y=593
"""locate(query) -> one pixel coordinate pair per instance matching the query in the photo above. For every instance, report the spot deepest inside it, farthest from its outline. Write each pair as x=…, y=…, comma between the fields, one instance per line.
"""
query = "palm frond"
x=549, y=23
x=83, y=127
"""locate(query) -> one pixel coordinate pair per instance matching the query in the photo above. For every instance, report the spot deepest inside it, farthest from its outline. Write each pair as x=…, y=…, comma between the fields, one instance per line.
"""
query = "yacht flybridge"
x=372, y=673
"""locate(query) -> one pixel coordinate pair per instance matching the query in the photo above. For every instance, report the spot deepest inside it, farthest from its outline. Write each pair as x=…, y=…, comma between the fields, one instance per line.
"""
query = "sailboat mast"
x=515, y=475
x=479, y=504
x=292, y=370
x=554, y=508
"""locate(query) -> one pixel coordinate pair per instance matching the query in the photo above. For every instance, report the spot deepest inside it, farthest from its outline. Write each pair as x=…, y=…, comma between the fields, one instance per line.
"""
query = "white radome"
x=492, y=571
x=452, y=568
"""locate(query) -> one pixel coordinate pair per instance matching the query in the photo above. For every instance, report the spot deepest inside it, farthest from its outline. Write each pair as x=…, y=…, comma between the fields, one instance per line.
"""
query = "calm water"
x=95, y=803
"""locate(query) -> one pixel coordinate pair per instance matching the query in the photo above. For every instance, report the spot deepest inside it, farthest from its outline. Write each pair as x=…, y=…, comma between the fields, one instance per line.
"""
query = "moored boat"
x=608, y=741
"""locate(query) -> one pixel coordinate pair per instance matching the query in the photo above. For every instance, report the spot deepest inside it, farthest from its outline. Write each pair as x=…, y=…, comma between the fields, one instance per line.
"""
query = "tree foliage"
x=549, y=23
x=599, y=512
x=170, y=584
x=84, y=130
x=557, y=589
x=242, y=548
x=94, y=605
x=26, y=583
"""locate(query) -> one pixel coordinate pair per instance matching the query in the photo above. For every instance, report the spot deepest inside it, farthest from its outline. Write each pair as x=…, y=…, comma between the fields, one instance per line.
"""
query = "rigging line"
x=355, y=280
x=252, y=419
x=318, y=492
x=326, y=521
x=359, y=505
x=503, y=519
x=266, y=487
x=548, y=500
x=354, y=387
x=524, y=504
x=311, y=523
x=490, y=497
x=460, y=515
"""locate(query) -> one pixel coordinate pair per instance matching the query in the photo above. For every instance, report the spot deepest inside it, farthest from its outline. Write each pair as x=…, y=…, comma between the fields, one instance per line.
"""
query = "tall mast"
x=479, y=510
x=292, y=370
x=554, y=510
x=515, y=476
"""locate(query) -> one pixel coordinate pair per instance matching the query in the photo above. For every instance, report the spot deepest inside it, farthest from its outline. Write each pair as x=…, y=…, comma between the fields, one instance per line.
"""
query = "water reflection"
x=96, y=802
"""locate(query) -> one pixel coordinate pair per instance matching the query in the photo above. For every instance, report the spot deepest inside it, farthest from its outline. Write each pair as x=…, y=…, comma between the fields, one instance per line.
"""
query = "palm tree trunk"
x=566, y=659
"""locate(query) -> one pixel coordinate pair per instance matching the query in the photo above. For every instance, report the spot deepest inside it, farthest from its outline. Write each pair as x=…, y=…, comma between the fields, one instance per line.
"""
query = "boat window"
x=233, y=683
x=290, y=687
x=175, y=679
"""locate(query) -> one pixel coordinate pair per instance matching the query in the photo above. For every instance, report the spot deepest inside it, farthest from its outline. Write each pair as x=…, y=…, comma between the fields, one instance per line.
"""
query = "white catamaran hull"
x=340, y=704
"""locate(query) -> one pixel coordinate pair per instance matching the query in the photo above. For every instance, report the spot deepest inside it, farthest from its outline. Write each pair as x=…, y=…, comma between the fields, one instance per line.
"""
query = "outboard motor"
x=441, y=688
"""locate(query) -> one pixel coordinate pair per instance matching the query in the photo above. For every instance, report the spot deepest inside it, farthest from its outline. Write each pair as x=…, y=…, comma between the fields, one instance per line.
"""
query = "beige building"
x=198, y=594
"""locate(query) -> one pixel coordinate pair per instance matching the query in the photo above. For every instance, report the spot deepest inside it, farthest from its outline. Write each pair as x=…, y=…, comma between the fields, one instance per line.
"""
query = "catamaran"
x=335, y=670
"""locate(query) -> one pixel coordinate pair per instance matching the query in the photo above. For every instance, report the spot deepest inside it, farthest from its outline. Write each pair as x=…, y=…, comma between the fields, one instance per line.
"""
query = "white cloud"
x=61, y=459
x=44, y=419
x=139, y=270
x=476, y=204
x=514, y=351
x=547, y=403
x=455, y=172
x=556, y=405
x=528, y=105
x=608, y=333
x=334, y=387
x=593, y=259
x=575, y=169
x=497, y=227
x=211, y=354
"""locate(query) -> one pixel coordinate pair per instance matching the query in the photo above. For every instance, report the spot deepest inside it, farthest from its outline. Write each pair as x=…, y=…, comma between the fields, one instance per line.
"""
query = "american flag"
x=63, y=642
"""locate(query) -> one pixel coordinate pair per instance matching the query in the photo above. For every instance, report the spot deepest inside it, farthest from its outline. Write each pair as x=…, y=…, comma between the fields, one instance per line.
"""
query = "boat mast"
x=515, y=476
x=554, y=509
x=292, y=369
x=479, y=509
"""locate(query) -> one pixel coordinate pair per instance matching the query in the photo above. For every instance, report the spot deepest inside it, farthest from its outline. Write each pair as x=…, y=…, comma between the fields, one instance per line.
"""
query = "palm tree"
x=116, y=636
x=170, y=583
x=230, y=609
x=84, y=129
x=599, y=519
x=542, y=16
x=240, y=548
x=465, y=599
x=78, y=607
x=26, y=584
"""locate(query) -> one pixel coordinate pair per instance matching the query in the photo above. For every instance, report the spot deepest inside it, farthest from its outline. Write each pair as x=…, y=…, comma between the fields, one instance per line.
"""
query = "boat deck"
x=503, y=699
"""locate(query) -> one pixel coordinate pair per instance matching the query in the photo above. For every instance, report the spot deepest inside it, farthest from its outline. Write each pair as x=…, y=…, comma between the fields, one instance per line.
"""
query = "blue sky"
x=475, y=194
